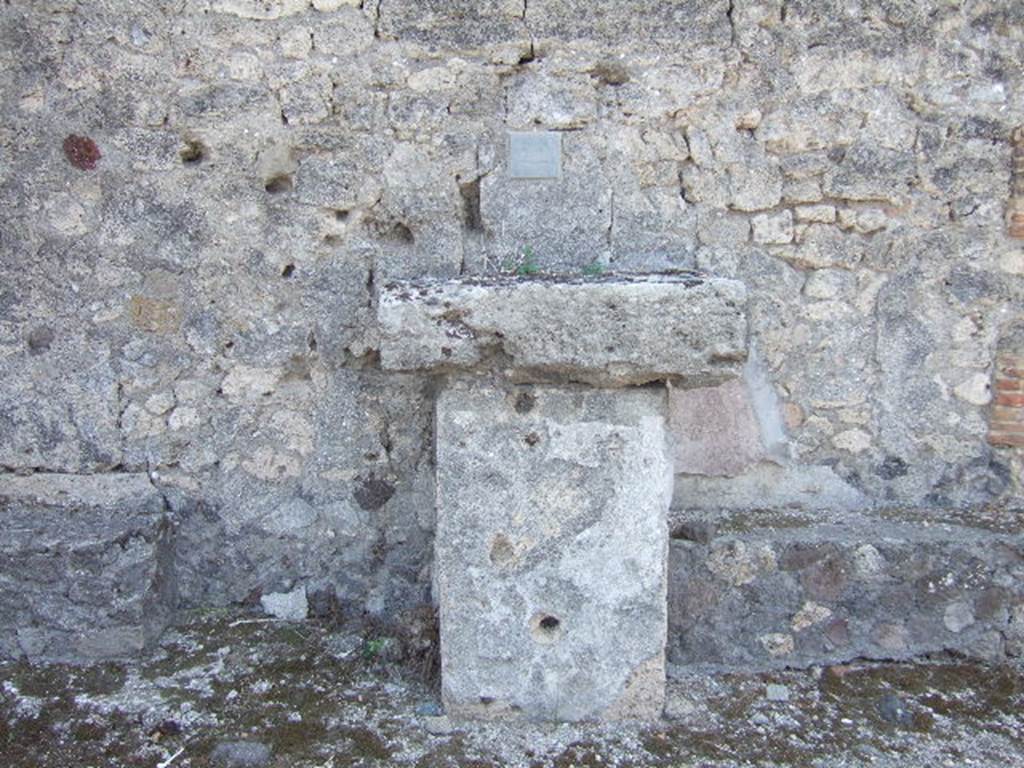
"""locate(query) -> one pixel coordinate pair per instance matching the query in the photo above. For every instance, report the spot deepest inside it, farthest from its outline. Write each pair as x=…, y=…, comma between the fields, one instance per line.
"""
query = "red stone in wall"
x=1006, y=423
x=1015, y=208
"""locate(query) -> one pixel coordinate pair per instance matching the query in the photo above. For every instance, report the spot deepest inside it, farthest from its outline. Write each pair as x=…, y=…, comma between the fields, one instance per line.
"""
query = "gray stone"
x=613, y=23
x=86, y=569
x=429, y=709
x=438, y=725
x=773, y=228
x=287, y=606
x=892, y=709
x=768, y=485
x=762, y=597
x=59, y=406
x=455, y=23
x=549, y=551
x=776, y=692
x=240, y=754
x=611, y=331
x=551, y=224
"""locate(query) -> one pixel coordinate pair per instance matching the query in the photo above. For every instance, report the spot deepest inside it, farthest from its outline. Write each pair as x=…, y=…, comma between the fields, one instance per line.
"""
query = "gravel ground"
x=233, y=689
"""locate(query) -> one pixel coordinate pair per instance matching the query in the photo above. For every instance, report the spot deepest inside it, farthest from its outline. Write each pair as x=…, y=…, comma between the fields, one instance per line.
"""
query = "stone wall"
x=201, y=200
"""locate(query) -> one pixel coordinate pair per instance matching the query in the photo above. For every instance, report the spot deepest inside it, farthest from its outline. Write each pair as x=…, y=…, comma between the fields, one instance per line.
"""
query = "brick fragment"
x=1007, y=440
x=1010, y=399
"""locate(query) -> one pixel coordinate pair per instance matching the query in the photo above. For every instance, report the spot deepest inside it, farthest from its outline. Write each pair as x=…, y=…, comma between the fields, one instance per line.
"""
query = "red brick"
x=1005, y=413
x=1012, y=373
x=1009, y=385
x=1011, y=441
x=1009, y=427
x=1010, y=399
x=1007, y=360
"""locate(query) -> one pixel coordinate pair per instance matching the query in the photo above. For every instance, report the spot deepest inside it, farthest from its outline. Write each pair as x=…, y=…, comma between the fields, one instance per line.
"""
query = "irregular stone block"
x=85, y=566
x=694, y=21
x=59, y=406
x=612, y=331
x=549, y=551
x=821, y=594
x=459, y=23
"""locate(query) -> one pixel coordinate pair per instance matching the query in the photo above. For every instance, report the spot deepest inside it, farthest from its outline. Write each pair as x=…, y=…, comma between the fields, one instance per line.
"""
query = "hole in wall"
x=390, y=230
x=288, y=271
x=400, y=233
x=546, y=628
x=341, y=215
x=525, y=402
x=81, y=152
x=532, y=439
x=275, y=185
x=193, y=153
x=40, y=339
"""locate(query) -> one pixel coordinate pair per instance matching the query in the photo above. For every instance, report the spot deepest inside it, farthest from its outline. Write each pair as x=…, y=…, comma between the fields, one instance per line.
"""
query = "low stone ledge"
x=85, y=566
x=613, y=331
x=824, y=594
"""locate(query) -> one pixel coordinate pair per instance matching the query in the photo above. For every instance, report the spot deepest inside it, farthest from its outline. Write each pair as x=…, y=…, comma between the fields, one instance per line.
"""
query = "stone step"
x=85, y=566
x=868, y=588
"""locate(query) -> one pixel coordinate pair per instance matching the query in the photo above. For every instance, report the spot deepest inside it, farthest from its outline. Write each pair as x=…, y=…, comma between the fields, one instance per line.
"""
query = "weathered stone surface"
x=611, y=331
x=612, y=22
x=768, y=485
x=551, y=535
x=764, y=598
x=85, y=566
x=577, y=206
x=715, y=430
x=287, y=606
x=261, y=168
x=58, y=405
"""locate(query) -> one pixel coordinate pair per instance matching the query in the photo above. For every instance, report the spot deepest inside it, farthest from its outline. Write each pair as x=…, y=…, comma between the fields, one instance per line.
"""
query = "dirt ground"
x=233, y=689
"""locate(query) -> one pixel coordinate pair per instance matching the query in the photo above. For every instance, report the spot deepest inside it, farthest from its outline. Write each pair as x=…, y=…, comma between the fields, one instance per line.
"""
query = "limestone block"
x=610, y=331
x=773, y=228
x=85, y=566
x=549, y=552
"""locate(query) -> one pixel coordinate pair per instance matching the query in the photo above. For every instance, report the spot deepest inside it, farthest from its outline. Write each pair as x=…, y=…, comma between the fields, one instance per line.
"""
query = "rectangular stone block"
x=614, y=331
x=85, y=566
x=550, y=551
